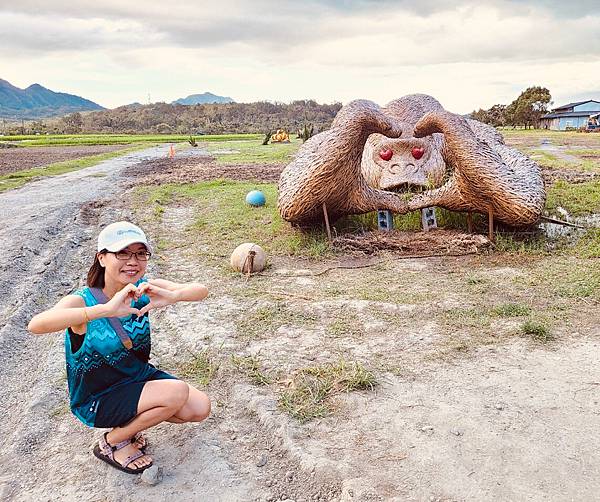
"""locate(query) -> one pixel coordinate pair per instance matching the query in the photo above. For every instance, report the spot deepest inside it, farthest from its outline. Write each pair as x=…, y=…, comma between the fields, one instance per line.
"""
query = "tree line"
x=524, y=111
x=221, y=118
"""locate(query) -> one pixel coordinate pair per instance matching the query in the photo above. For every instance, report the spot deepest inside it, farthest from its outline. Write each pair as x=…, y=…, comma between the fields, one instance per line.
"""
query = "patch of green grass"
x=410, y=222
x=577, y=198
x=551, y=161
x=475, y=317
x=511, y=310
x=250, y=366
x=201, y=368
x=569, y=277
x=348, y=326
x=19, y=178
x=474, y=280
x=589, y=159
x=391, y=295
x=224, y=220
x=507, y=243
x=311, y=389
x=537, y=330
x=252, y=151
x=118, y=139
x=588, y=245
x=265, y=320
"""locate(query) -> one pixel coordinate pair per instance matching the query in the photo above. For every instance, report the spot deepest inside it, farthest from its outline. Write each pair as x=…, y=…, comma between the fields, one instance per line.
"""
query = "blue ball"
x=256, y=198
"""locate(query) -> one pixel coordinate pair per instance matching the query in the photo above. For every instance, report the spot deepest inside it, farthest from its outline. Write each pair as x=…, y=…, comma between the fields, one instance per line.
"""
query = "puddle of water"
x=225, y=152
x=555, y=231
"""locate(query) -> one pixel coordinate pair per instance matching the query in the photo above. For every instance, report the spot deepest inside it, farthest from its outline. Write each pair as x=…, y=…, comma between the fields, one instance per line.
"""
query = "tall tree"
x=529, y=107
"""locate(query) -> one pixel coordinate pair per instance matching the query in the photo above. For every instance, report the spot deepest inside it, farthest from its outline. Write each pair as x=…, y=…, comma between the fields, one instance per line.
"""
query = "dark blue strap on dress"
x=100, y=297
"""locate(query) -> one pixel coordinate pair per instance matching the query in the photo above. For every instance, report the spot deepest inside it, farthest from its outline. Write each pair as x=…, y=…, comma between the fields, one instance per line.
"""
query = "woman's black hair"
x=95, y=276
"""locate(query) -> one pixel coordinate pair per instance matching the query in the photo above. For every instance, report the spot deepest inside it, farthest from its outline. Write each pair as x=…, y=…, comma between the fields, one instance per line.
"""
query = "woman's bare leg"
x=196, y=408
x=159, y=401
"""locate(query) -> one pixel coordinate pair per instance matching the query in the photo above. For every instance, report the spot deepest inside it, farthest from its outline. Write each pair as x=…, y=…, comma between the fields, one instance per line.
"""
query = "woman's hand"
x=120, y=304
x=159, y=297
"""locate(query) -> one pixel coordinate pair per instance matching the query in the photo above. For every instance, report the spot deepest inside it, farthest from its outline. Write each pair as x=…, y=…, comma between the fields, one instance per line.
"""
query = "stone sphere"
x=239, y=258
x=256, y=198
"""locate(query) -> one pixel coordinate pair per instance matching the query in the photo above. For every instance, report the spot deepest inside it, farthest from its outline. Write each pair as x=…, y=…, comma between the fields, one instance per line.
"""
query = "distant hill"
x=202, y=99
x=38, y=102
x=213, y=118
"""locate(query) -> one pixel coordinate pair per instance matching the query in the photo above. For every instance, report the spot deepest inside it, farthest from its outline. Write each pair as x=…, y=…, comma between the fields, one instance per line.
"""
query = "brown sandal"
x=140, y=441
x=105, y=452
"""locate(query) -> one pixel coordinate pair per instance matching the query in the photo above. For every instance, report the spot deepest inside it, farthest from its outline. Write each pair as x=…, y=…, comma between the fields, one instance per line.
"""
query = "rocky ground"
x=462, y=407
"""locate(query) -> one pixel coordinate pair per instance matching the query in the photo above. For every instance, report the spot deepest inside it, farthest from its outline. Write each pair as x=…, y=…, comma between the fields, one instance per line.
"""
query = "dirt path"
x=46, y=237
x=502, y=420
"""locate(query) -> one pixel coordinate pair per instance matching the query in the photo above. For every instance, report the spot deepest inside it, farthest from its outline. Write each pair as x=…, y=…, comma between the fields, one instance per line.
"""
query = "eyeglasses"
x=126, y=255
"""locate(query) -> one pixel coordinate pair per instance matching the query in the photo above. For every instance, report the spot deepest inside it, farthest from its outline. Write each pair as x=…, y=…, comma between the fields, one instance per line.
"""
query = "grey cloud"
x=277, y=31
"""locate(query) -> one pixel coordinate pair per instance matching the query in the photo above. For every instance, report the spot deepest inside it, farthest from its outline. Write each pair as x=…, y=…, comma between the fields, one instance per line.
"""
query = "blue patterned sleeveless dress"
x=105, y=379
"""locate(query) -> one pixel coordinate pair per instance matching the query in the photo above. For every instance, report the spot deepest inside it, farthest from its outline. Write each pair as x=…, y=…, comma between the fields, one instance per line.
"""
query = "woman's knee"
x=178, y=394
x=202, y=409
x=197, y=407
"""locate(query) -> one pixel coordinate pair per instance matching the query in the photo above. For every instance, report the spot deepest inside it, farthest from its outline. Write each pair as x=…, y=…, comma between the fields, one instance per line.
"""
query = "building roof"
x=586, y=113
x=571, y=105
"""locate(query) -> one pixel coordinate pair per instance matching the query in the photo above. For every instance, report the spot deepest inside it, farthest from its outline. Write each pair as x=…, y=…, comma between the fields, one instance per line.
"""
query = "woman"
x=107, y=347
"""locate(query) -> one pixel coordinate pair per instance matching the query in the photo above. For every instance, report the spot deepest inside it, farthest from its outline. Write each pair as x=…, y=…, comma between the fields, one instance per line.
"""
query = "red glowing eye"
x=386, y=154
x=417, y=152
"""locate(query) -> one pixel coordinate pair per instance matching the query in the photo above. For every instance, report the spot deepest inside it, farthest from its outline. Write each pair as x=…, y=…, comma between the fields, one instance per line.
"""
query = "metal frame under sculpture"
x=411, y=145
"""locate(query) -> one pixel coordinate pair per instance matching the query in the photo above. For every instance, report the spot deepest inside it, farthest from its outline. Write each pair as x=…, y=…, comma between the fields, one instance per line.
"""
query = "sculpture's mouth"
x=407, y=188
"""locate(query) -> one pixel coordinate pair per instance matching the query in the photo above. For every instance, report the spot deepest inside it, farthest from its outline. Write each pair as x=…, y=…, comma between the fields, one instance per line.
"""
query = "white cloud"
x=466, y=54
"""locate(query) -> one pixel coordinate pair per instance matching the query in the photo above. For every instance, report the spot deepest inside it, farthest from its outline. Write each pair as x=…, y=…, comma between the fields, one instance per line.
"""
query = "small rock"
x=427, y=428
x=262, y=461
x=499, y=406
x=233, y=437
x=456, y=432
x=153, y=475
x=289, y=475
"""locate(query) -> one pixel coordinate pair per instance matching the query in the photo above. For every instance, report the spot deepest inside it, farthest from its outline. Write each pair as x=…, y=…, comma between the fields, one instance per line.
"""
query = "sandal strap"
x=105, y=448
x=121, y=445
x=131, y=458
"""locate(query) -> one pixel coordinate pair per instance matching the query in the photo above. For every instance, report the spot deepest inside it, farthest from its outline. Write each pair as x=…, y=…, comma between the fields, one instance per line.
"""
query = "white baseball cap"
x=119, y=235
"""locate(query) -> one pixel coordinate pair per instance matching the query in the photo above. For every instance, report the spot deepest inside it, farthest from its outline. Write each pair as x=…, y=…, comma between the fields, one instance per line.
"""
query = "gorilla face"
x=403, y=164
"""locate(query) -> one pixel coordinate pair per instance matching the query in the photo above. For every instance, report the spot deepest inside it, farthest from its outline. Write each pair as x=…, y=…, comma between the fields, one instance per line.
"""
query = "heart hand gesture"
x=120, y=304
x=159, y=297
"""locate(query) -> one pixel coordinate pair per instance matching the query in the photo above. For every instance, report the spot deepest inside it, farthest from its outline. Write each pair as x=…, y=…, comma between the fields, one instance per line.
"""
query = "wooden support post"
x=326, y=216
x=491, y=224
x=470, y=222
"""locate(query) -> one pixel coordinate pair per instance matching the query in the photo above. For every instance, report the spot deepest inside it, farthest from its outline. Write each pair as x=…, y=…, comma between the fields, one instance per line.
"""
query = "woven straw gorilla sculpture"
x=413, y=145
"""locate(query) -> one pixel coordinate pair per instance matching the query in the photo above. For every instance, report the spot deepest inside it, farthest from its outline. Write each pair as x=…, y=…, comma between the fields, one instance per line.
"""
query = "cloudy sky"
x=468, y=54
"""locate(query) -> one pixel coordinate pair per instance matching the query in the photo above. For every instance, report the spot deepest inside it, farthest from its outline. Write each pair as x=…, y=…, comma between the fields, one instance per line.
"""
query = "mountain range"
x=202, y=99
x=38, y=102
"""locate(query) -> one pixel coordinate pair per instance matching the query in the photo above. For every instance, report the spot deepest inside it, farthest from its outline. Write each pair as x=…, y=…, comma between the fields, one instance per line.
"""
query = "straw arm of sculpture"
x=327, y=169
x=486, y=175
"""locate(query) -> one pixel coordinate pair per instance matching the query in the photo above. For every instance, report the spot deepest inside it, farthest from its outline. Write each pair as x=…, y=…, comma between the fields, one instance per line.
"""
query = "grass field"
x=118, y=139
x=252, y=151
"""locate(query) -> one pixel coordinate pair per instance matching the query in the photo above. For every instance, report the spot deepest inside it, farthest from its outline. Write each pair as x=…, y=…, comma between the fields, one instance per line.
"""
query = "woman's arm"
x=72, y=312
x=162, y=293
x=184, y=292
x=68, y=312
